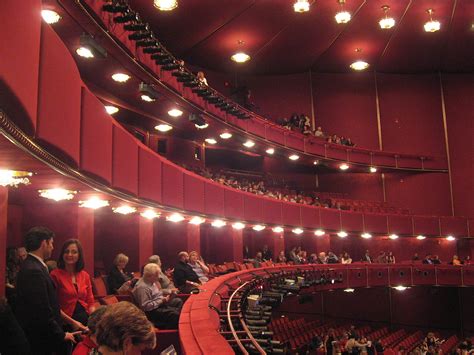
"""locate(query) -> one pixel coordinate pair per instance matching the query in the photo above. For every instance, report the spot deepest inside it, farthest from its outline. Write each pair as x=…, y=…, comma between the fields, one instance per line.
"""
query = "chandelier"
x=165, y=5
x=387, y=22
x=431, y=25
x=14, y=178
x=342, y=16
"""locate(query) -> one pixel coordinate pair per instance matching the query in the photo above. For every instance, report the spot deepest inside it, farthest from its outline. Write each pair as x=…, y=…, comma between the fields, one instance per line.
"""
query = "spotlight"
x=50, y=17
x=120, y=77
x=238, y=225
x=270, y=151
x=175, y=112
x=258, y=227
x=342, y=234
x=393, y=236
x=89, y=48
x=319, y=232
x=111, y=109
x=278, y=229
x=249, y=144
x=148, y=93
x=163, y=127
x=294, y=157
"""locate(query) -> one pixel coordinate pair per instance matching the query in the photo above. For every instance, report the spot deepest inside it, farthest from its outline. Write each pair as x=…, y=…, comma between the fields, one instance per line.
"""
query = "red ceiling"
x=206, y=32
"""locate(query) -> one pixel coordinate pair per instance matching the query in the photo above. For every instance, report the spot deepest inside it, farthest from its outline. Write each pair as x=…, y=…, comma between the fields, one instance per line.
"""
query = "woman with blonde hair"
x=198, y=266
x=117, y=275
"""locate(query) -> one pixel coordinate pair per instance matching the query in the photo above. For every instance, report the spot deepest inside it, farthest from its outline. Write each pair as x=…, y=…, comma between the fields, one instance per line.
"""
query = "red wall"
x=357, y=186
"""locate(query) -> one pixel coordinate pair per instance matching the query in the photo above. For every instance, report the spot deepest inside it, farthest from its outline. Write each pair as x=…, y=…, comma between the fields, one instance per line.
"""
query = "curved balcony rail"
x=200, y=318
x=183, y=84
x=46, y=109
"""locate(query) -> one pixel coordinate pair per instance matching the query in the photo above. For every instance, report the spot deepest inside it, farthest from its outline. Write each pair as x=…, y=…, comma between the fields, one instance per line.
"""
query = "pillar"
x=3, y=236
x=85, y=233
x=145, y=240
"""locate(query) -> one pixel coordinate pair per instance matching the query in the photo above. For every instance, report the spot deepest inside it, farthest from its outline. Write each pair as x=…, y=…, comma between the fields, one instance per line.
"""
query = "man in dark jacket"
x=184, y=276
x=38, y=310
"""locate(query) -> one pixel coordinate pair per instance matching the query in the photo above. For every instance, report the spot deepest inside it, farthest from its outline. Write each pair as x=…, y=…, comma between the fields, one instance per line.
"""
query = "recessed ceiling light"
x=218, y=223
x=226, y=135
x=277, y=229
x=202, y=126
x=249, y=144
x=175, y=112
x=93, y=203
x=316, y=162
x=294, y=157
x=175, y=218
x=366, y=235
x=211, y=140
x=342, y=234
x=319, y=232
x=84, y=52
x=431, y=25
x=111, y=109
x=270, y=151
x=450, y=238
x=149, y=214
x=393, y=236
x=297, y=230
x=165, y=5
x=14, y=177
x=344, y=166
x=124, y=209
x=146, y=98
x=50, y=17
x=349, y=290
x=421, y=237
x=120, y=77
x=400, y=288
x=238, y=225
x=359, y=65
x=343, y=17
x=258, y=227
x=373, y=169
x=196, y=220
x=301, y=6
x=163, y=127
x=240, y=57
x=57, y=194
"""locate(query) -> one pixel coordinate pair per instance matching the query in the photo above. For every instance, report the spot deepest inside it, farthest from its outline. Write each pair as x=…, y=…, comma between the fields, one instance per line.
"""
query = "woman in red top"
x=73, y=285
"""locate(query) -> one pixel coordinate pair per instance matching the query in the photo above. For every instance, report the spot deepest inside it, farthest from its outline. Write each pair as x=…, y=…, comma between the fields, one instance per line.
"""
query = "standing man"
x=37, y=306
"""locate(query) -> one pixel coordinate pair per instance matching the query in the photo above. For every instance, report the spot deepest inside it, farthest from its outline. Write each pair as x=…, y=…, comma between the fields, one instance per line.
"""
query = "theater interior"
x=108, y=136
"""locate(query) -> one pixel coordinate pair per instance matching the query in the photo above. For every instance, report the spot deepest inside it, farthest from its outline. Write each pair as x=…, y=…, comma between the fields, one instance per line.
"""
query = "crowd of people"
x=302, y=123
x=433, y=259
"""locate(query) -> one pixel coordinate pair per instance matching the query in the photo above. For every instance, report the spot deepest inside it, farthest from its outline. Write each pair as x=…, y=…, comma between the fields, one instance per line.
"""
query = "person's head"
x=39, y=240
x=455, y=257
x=282, y=253
x=71, y=255
x=200, y=74
x=183, y=256
x=151, y=272
x=258, y=255
x=155, y=259
x=193, y=257
x=95, y=318
x=120, y=261
x=124, y=329
x=22, y=253
x=319, y=128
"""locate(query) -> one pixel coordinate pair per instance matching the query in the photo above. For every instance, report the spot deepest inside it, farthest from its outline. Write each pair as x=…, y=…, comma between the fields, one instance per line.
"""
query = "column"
x=3, y=236
x=85, y=233
x=145, y=240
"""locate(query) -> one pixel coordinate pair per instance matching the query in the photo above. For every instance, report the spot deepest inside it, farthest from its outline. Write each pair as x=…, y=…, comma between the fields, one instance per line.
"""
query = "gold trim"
x=446, y=140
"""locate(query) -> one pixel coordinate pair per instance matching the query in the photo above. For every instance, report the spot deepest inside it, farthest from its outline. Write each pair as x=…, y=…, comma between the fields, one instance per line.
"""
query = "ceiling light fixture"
x=50, y=17
x=359, y=65
x=342, y=234
x=124, y=209
x=163, y=127
x=165, y=5
x=400, y=288
x=301, y=6
x=316, y=162
x=319, y=232
x=393, y=236
x=421, y=237
x=297, y=230
x=373, y=169
x=238, y=225
x=175, y=218
x=366, y=235
x=240, y=57
x=210, y=140
x=258, y=227
x=202, y=126
x=431, y=25
x=196, y=220
x=218, y=223
x=450, y=238
x=57, y=194
x=278, y=229
x=121, y=77
x=270, y=151
x=342, y=16
x=175, y=112
x=387, y=22
x=111, y=109
x=94, y=203
x=344, y=166
x=249, y=144
x=349, y=290
x=294, y=157
x=84, y=52
x=148, y=93
x=149, y=214
x=225, y=135
x=146, y=98
x=14, y=178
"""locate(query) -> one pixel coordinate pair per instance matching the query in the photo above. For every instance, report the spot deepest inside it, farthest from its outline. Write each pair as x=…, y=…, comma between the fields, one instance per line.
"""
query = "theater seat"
x=107, y=300
x=99, y=286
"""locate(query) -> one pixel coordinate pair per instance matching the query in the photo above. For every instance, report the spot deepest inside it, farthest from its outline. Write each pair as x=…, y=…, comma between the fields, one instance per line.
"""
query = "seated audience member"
x=456, y=261
x=198, y=266
x=346, y=259
x=12, y=338
x=319, y=132
x=467, y=260
x=427, y=259
x=201, y=78
x=162, y=310
x=22, y=253
x=124, y=329
x=435, y=260
x=73, y=286
x=38, y=310
x=430, y=340
x=281, y=258
x=332, y=258
x=382, y=258
x=258, y=260
x=117, y=275
x=303, y=257
x=267, y=253
x=167, y=286
x=322, y=259
x=390, y=258
x=88, y=345
x=294, y=255
x=184, y=277
x=415, y=257
x=367, y=257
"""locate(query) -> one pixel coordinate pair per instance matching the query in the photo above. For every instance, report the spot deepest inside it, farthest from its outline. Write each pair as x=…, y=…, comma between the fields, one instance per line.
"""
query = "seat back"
x=99, y=286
